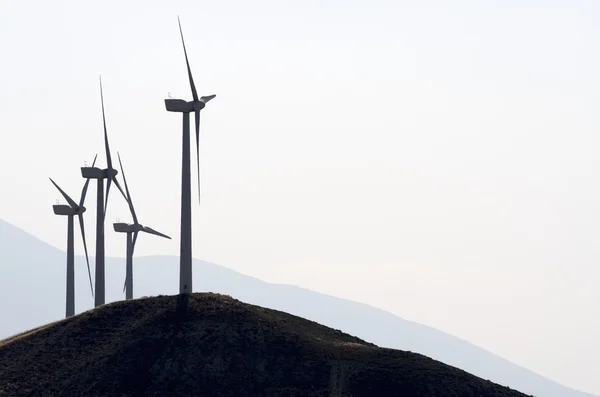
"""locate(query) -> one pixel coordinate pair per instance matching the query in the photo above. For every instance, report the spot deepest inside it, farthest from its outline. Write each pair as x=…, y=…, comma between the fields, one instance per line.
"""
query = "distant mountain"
x=212, y=345
x=32, y=293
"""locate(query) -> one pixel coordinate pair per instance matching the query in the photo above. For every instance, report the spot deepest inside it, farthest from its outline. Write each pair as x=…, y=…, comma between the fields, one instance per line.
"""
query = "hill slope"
x=28, y=264
x=218, y=346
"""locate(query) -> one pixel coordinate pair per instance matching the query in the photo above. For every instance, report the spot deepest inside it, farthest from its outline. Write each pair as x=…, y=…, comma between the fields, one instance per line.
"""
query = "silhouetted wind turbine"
x=70, y=211
x=131, y=229
x=185, y=107
x=100, y=174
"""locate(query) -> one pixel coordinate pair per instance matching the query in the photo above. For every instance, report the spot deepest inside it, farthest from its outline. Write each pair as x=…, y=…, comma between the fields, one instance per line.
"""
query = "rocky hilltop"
x=213, y=345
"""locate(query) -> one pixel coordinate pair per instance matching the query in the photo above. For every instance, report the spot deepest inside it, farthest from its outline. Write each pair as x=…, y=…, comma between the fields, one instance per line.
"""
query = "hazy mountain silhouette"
x=32, y=292
x=212, y=345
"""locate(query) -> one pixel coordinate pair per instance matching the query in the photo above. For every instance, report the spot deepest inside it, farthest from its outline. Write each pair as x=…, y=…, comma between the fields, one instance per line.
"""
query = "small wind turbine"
x=100, y=174
x=70, y=211
x=185, y=107
x=131, y=229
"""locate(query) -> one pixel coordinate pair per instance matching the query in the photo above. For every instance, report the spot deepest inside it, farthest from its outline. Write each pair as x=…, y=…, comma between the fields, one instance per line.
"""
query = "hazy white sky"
x=436, y=160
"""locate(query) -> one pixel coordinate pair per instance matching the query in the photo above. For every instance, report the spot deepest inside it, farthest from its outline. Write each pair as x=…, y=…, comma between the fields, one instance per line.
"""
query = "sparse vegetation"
x=214, y=345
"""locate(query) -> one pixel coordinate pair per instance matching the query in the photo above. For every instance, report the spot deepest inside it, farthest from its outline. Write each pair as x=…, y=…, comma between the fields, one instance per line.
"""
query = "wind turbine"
x=132, y=231
x=110, y=174
x=185, y=107
x=70, y=211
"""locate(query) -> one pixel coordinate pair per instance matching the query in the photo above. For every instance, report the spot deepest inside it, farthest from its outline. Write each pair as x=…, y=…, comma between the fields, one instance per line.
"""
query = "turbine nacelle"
x=127, y=227
x=179, y=105
x=97, y=173
x=122, y=227
x=182, y=106
x=62, y=209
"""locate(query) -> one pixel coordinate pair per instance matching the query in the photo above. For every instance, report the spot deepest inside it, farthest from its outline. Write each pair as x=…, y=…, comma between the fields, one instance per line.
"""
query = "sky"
x=435, y=159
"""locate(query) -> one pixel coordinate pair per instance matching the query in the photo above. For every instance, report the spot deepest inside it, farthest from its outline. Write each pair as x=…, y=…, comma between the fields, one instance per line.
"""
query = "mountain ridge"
x=156, y=277
x=211, y=344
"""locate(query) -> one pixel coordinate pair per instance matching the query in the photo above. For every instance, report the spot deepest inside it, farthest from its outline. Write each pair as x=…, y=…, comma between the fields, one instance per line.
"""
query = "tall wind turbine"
x=70, y=211
x=185, y=107
x=110, y=174
x=132, y=231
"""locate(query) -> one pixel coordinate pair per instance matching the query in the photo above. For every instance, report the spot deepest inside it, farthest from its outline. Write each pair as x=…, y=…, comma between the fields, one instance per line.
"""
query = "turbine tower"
x=132, y=231
x=70, y=211
x=185, y=107
x=110, y=174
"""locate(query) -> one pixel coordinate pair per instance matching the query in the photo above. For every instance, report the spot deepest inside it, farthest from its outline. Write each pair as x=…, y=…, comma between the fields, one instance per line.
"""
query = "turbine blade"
x=72, y=203
x=156, y=233
x=207, y=98
x=128, y=198
x=85, y=186
x=81, y=226
x=108, y=182
x=84, y=192
x=106, y=147
x=198, y=150
x=135, y=236
x=194, y=93
x=132, y=248
x=118, y=185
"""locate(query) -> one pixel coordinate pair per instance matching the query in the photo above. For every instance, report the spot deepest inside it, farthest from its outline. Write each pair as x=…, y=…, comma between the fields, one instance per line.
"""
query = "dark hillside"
x=218, y=346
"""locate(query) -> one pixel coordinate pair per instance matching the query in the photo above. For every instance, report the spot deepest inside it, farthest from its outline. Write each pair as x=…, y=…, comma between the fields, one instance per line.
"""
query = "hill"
x=213, y=345
x=28, y=265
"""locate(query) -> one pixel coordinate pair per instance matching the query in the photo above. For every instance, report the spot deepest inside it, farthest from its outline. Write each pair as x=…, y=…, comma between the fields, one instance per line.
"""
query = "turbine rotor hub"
x=197, y=105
